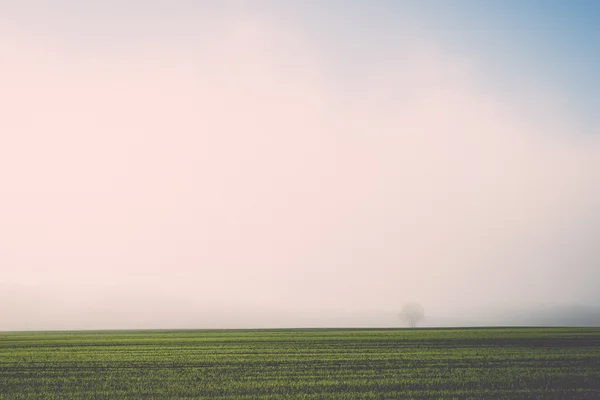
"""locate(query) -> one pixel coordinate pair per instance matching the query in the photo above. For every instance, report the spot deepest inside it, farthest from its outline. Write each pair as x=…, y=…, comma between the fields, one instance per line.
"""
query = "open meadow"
x=508, y=363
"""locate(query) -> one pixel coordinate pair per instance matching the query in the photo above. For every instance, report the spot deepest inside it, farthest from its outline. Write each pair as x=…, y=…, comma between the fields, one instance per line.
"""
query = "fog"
x=224, y=170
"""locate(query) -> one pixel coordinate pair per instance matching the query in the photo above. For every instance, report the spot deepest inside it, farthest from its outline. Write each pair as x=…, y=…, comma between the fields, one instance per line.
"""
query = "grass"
x=507, y=363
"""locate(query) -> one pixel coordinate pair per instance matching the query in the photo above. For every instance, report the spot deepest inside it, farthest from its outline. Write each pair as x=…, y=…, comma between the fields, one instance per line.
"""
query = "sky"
x=255, y=164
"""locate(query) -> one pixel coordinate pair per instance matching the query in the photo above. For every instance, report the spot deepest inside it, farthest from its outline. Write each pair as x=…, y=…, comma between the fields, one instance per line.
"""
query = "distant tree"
x=412, y=314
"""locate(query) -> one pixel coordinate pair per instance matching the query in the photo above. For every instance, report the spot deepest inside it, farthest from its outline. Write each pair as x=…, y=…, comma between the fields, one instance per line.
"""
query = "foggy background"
x=296, y=164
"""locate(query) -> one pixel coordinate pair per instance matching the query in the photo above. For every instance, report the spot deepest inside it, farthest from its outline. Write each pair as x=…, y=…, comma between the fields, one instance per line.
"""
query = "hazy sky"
x=192, y=164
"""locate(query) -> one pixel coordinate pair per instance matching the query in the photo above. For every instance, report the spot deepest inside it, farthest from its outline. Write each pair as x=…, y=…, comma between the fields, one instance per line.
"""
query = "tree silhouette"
x=412, y=314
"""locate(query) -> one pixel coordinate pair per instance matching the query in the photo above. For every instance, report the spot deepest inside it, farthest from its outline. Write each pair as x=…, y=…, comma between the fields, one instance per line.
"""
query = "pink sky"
x=233, y=175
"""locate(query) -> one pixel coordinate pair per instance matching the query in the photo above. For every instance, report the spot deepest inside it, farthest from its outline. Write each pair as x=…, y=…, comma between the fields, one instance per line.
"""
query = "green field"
x=519, y=363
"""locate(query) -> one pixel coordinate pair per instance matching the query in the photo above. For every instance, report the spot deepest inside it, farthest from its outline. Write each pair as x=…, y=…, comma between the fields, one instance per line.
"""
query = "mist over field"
x=41, y=308
x=296, y=164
